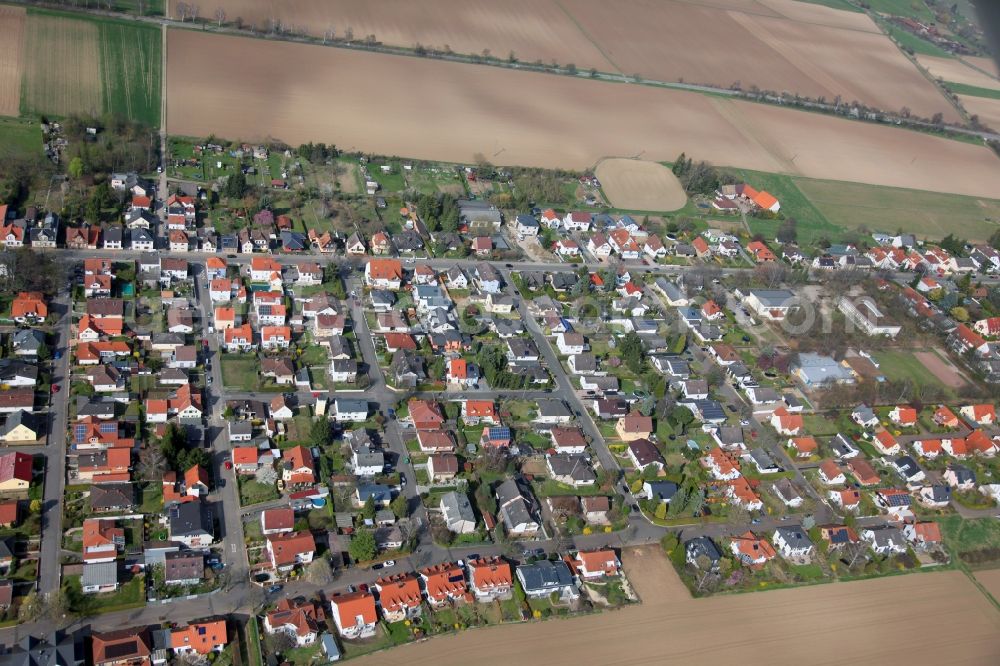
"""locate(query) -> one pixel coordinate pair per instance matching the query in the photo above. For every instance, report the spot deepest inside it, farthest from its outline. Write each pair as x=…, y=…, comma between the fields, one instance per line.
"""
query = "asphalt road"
x=55, y=452
x=242, y=596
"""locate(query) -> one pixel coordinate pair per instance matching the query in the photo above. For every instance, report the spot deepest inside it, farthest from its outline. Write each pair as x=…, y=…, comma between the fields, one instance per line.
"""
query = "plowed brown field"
x=986, y=108
x=869, y=622
x=956, y=71
x=431, y=109
x=11, y=59
x=781, y=45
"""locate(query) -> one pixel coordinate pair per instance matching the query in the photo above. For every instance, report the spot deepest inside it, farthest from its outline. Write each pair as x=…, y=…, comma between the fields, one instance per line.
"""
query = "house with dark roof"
x=183, y=568
x=107, y=497
x=515, y=509
x=543, y=578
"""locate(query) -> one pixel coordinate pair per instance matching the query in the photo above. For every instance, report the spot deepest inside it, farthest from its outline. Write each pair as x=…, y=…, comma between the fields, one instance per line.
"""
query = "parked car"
x=55, y=388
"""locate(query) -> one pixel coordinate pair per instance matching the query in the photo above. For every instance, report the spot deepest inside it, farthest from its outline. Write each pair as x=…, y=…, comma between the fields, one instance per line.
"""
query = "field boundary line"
x=588, y=37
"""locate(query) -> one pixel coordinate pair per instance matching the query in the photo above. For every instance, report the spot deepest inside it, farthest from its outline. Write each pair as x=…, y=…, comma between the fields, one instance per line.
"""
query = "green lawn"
x=19, y=138
x=255, y=492
x=902, y=365
x=314, y=355
x=818, y=425
x=811, y=223
x=975, y=91
x=129, y=595
x=848, y=206
x=151, y=498
x=240, y=371
x=975, y=542
x=302, y=655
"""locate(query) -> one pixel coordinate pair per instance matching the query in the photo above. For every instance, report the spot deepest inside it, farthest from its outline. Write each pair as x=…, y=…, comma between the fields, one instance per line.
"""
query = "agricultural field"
x=990, y=579
x=986, y=108
x=916, y=9
x=639, y=185
x=131, y=61
x=954, y=70
x=811, y=224
x=593, y=120
x=11, y=59
x=781, y=45
x=926, y=214
x=965, y=619
x=82, y=65
x=62, y=66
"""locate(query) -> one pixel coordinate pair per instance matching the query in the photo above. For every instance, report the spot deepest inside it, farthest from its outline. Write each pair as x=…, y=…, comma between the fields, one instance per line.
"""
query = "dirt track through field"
x=780, y=45
x=946, y=373
x=12, y=20
x=990, y=580
x=464, y=112
x=62, y=66
x=869, y=622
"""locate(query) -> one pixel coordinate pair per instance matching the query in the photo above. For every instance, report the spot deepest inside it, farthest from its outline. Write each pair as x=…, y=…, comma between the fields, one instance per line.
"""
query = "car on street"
x=274, y=589
x=389, y=563
x=57, y=355
x=229, y=464
x=376, y=567
x=473, y=556
x=744, y=422
x=55, y=388
x=508, y=265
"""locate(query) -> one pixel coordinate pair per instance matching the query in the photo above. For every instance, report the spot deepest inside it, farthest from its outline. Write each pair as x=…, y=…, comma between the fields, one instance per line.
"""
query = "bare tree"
x=319, y=572
x=220, y=16
x=152, y=463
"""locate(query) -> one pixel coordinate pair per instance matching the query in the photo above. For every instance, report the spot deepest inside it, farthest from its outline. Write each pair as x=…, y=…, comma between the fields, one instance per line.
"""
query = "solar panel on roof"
x=109, y=427
x=119, y=650
x=898, y=500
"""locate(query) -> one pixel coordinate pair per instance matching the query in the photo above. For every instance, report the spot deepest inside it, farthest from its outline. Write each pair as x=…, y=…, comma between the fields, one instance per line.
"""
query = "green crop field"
x=835, y=4
x=130, y=70
x=916, y=44
x=916, y=9
x=81, y=64
x=927, y=214
x=975, y=91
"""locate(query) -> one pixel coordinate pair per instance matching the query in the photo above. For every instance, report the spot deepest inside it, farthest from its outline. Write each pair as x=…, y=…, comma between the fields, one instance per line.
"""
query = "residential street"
x=240, y=595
